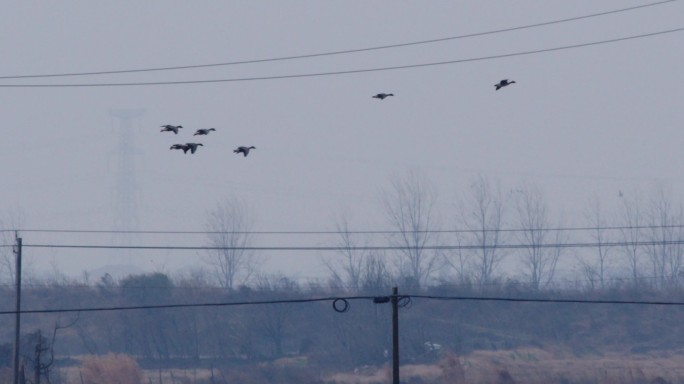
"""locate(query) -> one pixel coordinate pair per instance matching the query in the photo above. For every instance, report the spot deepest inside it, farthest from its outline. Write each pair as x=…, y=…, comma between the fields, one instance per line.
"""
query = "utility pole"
x=36, y=355
x=395, y=335
x=17, y=309
x=394, y=300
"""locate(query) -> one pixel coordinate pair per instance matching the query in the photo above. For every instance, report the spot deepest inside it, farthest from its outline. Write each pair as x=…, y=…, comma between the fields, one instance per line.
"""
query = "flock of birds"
x=192, y=147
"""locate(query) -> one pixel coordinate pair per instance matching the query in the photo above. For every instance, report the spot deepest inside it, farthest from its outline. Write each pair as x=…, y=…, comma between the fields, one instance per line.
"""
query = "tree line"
x=638, y=239
x=230, y=337
x=646, y=264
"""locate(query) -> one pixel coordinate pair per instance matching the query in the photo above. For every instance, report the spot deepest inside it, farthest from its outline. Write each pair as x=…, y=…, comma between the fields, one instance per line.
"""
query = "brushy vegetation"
x=487, y=340
x=529, y=366
x=110, y=368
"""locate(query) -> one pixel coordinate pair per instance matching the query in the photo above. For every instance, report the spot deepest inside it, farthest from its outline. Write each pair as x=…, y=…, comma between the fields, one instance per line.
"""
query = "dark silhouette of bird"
x=244, y=150
x=382, y=96
x=203, y=131
x=171, y=128
x=502, y=84
x=180, y=146
x=192, y=147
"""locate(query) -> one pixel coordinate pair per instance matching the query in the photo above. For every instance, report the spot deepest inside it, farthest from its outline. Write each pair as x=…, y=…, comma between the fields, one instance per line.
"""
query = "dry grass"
x=362, y=375
x=6, y=375
x=530, y=366
x=177, y=376
x=111, y=368
x=452, y=369
x=369, y=375
x=537, y=366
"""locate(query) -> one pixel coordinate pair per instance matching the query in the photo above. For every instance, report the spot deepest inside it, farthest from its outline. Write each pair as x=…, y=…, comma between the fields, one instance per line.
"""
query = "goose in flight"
x=203, y=131
x=192, y=147
x=171, y=128
x=244, y=150
x=382, y=96
x=180, y=146
x=503, y=83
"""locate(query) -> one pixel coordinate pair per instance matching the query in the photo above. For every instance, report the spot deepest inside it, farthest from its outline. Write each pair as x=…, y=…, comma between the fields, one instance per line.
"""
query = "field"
x=525, y=365
x=529, y=366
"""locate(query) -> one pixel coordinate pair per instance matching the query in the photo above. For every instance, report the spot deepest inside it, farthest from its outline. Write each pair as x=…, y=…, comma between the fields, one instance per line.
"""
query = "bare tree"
x=631, y=234
x=275, y=321
x=9, y=227
x=666, y=253
x=595, y=272
x=409, y=207
x=7, y=257
x=458, y=261
x=41, y=344
x=539, y=259
x=229, y=225
x=375, y=274
x=483, y=215
x=347, y=267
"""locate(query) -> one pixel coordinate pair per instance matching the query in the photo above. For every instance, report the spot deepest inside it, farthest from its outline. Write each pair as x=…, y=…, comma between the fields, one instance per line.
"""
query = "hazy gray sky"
x=578, y=123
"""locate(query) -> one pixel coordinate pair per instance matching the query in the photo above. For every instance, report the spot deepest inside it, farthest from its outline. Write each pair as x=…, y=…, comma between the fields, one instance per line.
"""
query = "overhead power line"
x=340, y=52
x=344, y=300
x=365, y=248
x=187, y=305
x=344, y=72
x=338, y=232
x=558, y=301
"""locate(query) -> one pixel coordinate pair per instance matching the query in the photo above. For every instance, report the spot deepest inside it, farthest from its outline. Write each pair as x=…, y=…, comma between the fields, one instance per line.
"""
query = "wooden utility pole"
x=395, y=335
x=17, y=309
x=36, y=355
x=394, y=300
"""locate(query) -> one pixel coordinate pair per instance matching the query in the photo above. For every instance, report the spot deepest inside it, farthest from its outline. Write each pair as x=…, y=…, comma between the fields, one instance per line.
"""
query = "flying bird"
x=192, y=147
x=382, y=96
x=502, y=84
x=171, y=128
x=244, y=150
x=180, y=146
x=204, y=131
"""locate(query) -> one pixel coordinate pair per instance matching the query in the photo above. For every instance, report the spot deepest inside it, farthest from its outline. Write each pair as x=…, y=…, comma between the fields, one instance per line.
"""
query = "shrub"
x=6, y=375
x=111, y=368
x=452, y=370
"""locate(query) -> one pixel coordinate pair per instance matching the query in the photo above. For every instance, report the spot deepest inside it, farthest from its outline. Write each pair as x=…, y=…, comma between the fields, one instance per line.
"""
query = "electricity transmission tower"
x=126, y=187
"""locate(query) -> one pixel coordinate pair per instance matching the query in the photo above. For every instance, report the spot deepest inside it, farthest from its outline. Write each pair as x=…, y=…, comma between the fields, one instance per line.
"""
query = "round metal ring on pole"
x=340, y=305
x=404, y=301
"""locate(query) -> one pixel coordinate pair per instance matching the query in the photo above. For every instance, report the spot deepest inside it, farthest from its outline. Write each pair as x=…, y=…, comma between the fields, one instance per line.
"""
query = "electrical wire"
x=366, y=248
x=558, y=301
x=187, y=305
x=338, y=232
x=406, y=300
x=331, y=53
x=344, y=72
